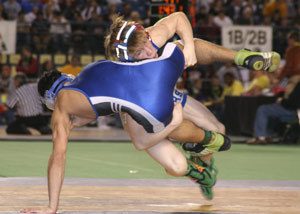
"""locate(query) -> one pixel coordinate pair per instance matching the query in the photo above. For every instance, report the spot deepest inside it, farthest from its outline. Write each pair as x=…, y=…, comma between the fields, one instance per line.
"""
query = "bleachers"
x=58, y=59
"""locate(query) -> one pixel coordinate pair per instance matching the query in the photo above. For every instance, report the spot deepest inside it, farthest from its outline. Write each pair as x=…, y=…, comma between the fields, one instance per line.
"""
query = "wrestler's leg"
x=207, y=53
x=142, y=140
x=169, y=156
x=174, y=162
x=197, y=113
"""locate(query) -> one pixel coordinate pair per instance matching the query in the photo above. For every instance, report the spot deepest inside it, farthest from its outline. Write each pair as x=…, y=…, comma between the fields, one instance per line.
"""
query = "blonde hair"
x=136, y=40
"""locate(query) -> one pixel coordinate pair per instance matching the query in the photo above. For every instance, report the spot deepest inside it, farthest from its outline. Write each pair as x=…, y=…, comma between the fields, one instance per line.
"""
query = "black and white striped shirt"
x=26, y=101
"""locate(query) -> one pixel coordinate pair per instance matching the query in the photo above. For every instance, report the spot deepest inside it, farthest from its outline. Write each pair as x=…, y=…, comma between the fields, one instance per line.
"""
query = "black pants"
x=21, y=124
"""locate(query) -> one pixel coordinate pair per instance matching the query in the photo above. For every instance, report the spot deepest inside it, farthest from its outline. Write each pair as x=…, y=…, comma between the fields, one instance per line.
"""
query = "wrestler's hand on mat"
x=189, y=55
x=38, y=210
x=177, y=115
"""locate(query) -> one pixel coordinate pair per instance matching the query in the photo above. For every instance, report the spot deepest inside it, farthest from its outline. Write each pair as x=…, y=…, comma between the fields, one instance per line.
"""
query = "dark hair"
x=229, y=74
x=22, y=78
x=47, y=80
x=294, y=35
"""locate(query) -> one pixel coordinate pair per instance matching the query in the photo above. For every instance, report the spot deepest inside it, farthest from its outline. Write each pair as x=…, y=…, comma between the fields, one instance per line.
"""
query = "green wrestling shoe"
x=203, y=174
x=266, y=61
x=217, y=142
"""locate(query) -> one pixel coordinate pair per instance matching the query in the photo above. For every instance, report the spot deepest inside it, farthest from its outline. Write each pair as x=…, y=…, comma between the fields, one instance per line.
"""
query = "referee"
x=26, y=103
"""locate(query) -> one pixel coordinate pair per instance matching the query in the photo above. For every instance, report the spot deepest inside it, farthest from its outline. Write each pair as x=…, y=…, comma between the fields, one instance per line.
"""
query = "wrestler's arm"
x=143, y=140
x=61, y=126
x=166, y=28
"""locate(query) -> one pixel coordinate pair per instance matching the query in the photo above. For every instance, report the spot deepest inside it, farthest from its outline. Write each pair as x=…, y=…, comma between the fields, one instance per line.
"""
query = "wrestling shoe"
x=218, y=142
x=204, y=175
x=266, y=61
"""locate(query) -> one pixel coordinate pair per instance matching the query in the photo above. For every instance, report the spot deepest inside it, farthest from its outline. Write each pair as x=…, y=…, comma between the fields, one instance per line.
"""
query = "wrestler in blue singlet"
x=142, y=89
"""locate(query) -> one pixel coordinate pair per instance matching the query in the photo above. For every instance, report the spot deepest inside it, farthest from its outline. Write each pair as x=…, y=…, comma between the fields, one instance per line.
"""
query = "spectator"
x=126, y=10
x=272, y=7
x=3, y=14
x=40, y=33
x=234, y=10
x=73, y=67
x=79, y=34
x=292, y=56
x=31, y=16
x=135, y=16
x=208, y=30
x=222, y=20
x=47, y=65
x=49, y=8
x=213, y=103
x=68, y=9
x=23, y=32
x=259, y=82
x=90, y=8
x=247, y=17
x=227, y=67
x=6, y=80
x=28, y=64
x=233, y=87
x=95, y=28
x=216, y=7
x=6, y=88
x=282, y=111
x=12, y=9
x=28, y=106
x=61, y=31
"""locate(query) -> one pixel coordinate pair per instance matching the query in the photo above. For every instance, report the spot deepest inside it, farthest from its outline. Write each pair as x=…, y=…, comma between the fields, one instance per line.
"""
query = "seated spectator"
x=285, y=110
x=60, y=30
x=95, y=29
x=292, y=56
x=247, y=17
x=222, y=20
x=49, y=8
x=73, y=67
x=6, y=80
x=31, y=16
x=91, y=7
x=40, y=33
x=259, y=82
x=12, y=8
x=28, y=108
x=28, y=64
x=47, y=65
x=6, y=114
x=215, y=95
x=78, y=34
x=227, y=67
x=23, y=32
x=233, y=87
x=6, y=88
x=3, y=14
x=279, y=6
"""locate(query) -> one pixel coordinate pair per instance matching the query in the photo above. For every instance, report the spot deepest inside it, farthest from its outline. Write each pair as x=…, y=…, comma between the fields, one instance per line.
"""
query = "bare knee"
x=221, y=128
x=139, y=144
x=178, y=167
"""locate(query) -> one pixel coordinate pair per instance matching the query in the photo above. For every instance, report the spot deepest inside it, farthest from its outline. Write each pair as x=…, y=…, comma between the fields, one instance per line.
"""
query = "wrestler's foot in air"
x=203, y=174
x=217, y=142
x=267, y=61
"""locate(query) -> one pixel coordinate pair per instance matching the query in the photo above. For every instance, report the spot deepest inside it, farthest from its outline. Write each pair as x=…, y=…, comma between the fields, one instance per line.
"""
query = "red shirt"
x=292, y=62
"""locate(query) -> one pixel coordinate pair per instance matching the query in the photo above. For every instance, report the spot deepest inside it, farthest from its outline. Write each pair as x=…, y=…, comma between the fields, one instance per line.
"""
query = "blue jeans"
x=271, y=111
